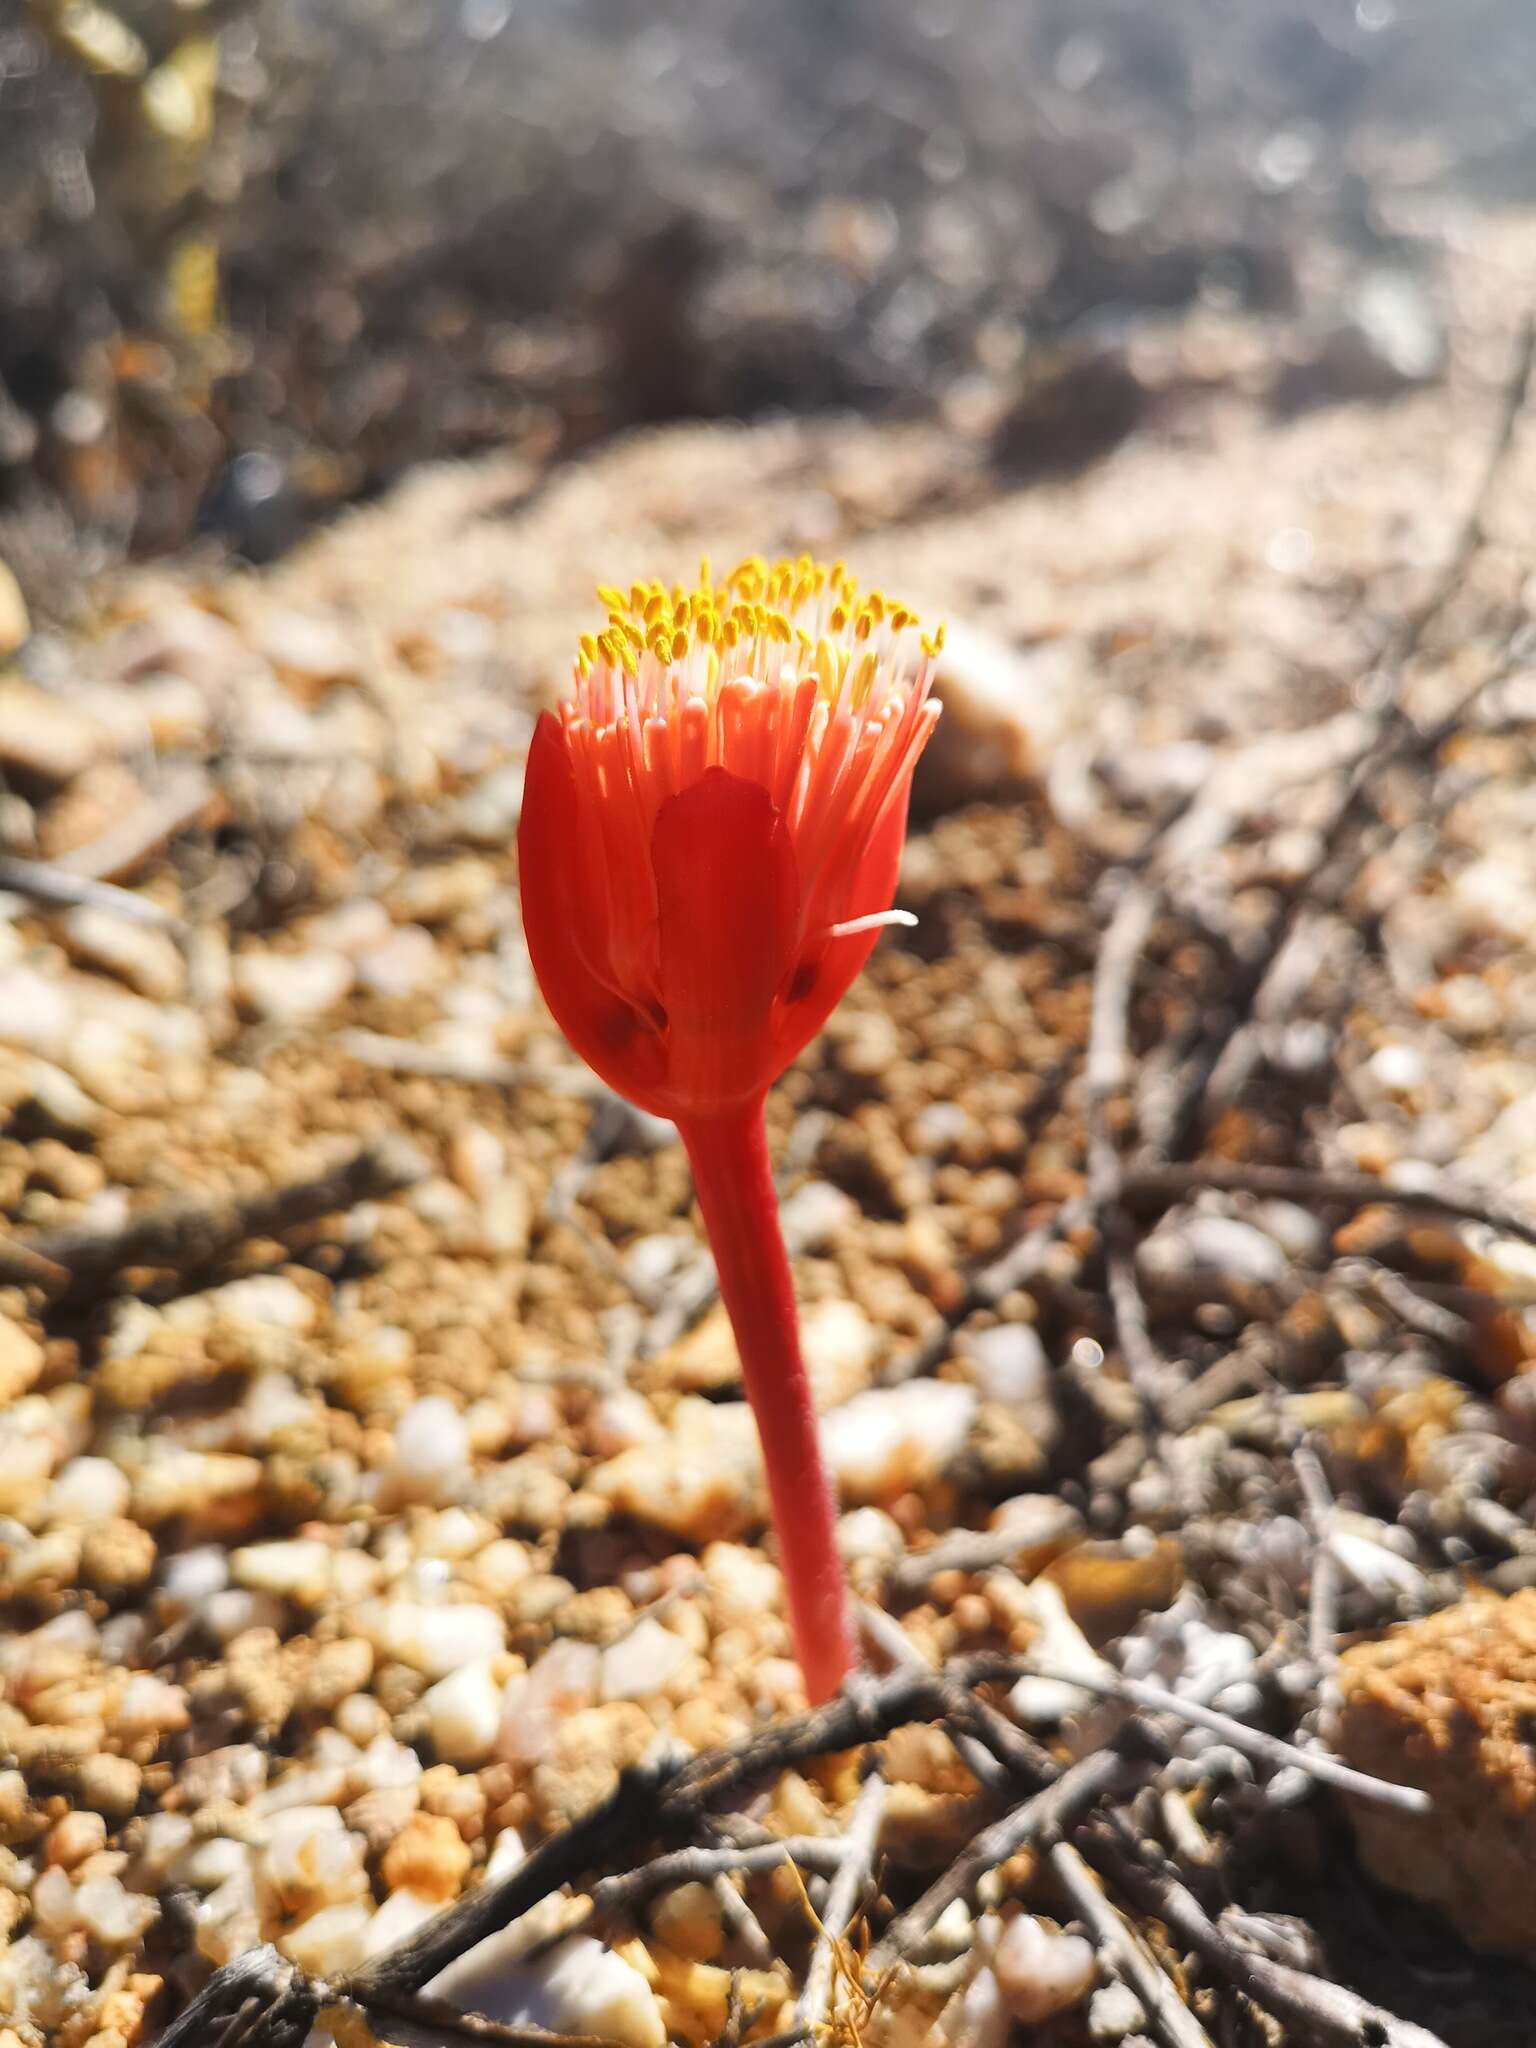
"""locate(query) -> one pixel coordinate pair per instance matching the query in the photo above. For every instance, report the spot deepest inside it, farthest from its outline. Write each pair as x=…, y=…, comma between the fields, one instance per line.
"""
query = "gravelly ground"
x=360, y=1556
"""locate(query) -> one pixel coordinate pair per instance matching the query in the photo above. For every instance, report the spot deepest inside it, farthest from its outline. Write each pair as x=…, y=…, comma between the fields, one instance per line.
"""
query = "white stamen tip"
x=873, y=922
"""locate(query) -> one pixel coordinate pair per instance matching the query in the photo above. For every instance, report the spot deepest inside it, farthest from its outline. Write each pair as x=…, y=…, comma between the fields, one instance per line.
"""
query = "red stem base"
x=731, y=1171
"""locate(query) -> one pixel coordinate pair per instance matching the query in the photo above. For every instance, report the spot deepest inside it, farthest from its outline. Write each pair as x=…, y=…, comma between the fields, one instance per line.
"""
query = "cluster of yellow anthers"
x=698, y=640
x=785, y=673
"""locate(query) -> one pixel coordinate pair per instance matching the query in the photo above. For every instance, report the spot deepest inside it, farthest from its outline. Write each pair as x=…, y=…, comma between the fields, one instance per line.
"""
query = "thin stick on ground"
x=1041, y=1816
x=853, y=1877
x=191, y=1233
x=1107, y=1071
x=1310, y=2009
x=43, y=882
x=1389, y=735
x=884, y=1633
x=1323, y=1598
x=1126, y=1953
x=614, y=1898
x=1428, y=1192
x=1035, y=1522
x=1255, y=1742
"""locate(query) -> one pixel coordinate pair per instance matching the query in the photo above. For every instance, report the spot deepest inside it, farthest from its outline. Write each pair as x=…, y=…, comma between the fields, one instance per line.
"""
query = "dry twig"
x=194, y=1231
x=1310, y=2009
x=1125, y=1952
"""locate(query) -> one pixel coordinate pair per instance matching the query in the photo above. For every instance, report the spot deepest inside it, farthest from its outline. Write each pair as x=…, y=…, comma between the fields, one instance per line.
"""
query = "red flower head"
x=712, y=824
x=709, y=841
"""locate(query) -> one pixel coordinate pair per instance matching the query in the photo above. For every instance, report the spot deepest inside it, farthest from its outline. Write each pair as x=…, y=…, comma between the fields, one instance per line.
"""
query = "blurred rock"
x=1387, y=338
x=44, y=741
x=1071, y=413
x=1448, y=1704
x=15, y=625
x=1005, y=712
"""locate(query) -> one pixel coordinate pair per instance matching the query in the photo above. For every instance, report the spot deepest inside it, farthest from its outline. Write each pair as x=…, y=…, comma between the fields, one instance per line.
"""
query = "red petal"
x=565, y=917
x=829, y=969
x=728, y=899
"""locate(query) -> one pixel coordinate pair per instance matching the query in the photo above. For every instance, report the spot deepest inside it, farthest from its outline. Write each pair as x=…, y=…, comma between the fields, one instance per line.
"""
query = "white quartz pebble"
x=577, y=1987
x=643, y=1661
x=464, y=1714
x=432, y=1453
x=1041, y=1971
x=395, y=1921
x=88, y=1490
x=297, y=1568
x=431, y=1639
x=895, y=1440
x=330, y=1941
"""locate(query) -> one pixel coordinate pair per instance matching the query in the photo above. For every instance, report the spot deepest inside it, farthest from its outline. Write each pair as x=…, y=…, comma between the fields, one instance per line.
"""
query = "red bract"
x=710, y=835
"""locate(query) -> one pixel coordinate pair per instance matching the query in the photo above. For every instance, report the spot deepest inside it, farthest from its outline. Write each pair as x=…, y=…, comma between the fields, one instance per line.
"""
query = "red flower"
x=712, y=825
x=710, y=834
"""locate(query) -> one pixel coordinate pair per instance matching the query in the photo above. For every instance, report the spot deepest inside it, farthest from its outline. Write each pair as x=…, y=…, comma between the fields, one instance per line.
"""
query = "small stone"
x=439, y=893
x=577, y=1987
x=742, y=1584
x=297, y=1568
x=840, y=1346
x=401, y=1914
x=404, y=962
x=702, y=1482
x=108, y=1785
x=896, y=1440
x=429, y=1856
x=21, y=1363
x=1398, y=1068
x=431, y=1453
x=227, y=1924
x=432, y=1640
x=643, y=1662
x=306, y=648
x=192, y=1576
x=117, y=1557
x=144, y=958
x=1061, y=1644
x=1108, y=1587
x=565, y=1680
x=75, y=1837
x=45, y=741
x=582, y=1765
x=330, y=1941
x=1114, y=2011
x=112, y=1915
x=620, y=1421
x=291, y=988
x=15, y=626
x=1006, y=712
x=1008, y=1364
x=464, y=1714
x=976, y=2016
x=309, y=1860
x=1206, y=1257
x=689, y=1921
x=88, y=1490
x=1041, y=1971
x=868, y=1538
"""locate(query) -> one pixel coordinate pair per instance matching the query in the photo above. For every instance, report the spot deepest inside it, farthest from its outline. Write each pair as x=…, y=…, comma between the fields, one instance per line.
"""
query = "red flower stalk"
x=708, y=847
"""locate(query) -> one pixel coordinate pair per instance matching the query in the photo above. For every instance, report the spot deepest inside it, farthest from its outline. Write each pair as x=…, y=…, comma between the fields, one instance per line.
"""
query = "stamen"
x=851, y=927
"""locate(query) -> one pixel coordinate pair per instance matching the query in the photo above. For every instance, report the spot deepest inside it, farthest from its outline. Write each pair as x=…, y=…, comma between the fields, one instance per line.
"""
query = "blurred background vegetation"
x=259, y=256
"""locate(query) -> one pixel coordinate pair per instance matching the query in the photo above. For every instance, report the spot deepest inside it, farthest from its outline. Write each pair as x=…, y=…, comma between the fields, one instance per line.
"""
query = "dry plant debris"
x=387, y=1617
